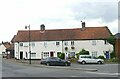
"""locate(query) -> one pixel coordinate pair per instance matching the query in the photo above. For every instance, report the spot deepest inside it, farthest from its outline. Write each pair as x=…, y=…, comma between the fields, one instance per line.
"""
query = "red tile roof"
x=7, y=44
x=63, y=34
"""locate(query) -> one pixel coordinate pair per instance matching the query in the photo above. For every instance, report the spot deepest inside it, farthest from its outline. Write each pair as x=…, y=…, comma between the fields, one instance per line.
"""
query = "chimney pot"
x=42, y=27
x=83, y=25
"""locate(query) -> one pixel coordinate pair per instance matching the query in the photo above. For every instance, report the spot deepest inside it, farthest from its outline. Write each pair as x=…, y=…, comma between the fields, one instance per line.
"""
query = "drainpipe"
x=18, y=50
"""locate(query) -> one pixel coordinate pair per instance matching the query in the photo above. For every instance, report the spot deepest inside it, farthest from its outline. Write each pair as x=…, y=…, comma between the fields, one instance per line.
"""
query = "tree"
x=112, y=40
x=82, y=52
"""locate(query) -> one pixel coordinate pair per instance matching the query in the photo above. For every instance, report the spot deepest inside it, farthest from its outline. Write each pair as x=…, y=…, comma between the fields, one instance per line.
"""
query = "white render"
x=41, y=48
x=2, y=49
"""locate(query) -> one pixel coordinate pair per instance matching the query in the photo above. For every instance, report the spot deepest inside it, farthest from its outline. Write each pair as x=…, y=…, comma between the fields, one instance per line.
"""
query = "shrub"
x=62, y=55
x=112, y=54
x=82, y=52
x=101, y=57
x=77, y=55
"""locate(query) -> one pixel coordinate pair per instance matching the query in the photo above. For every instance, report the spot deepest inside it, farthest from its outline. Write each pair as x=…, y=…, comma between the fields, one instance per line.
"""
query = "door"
x=107, y=55
x=51, y=54
x=21, y=55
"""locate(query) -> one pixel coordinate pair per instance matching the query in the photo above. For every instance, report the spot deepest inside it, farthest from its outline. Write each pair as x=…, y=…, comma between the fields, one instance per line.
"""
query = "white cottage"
x=48, y=43
x=3, y=47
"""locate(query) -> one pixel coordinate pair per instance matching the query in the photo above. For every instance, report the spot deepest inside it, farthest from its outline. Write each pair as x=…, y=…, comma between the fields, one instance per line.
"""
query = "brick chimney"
x=83, y=25
x=42, y=28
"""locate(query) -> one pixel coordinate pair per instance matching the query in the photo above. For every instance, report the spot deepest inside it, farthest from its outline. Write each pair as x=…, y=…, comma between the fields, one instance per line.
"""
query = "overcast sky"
x=56, y=14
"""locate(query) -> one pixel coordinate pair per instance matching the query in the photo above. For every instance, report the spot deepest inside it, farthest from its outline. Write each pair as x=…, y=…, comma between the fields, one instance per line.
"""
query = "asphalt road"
x=11, y=69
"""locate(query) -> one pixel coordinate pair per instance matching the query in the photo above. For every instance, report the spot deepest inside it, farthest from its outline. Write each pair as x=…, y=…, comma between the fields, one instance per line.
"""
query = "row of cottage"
x=49, y=43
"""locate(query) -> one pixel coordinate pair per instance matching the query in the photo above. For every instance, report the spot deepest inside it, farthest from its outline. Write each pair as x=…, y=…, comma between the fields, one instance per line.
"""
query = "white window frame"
x=66, y=43
x=105, y=42
x=33, y=54
x=94, y=53
x=94, y=42
x=57, y=43
x=45, y=54
x=72, y=43
x=33, y=44
x=21, y=44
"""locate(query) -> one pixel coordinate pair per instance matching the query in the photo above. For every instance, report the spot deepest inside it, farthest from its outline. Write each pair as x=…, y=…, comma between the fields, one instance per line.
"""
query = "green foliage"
x=111, y=40
x=101, y=57
x=61, y=55
x=77, y=55
x=112, y=55
x=58, y=54
x=113, y=60
x=82, y=52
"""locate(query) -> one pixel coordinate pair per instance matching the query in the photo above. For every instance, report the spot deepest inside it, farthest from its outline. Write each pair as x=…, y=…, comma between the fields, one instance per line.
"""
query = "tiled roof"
x=7, y=44
x=13, y=39
x=63, y=34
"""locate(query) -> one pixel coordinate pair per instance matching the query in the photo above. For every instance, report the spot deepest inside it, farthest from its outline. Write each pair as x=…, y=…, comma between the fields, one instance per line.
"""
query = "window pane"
x=72, y=42
x=94, y=42
x=33, y=54
x=57, y=43
x=21, y=44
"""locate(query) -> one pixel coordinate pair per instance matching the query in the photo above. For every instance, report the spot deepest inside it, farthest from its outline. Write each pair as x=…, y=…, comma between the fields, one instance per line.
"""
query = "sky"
x=56, y=14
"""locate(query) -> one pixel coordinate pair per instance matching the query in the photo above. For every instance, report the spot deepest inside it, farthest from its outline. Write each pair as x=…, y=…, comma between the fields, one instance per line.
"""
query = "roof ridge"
x=66, y=28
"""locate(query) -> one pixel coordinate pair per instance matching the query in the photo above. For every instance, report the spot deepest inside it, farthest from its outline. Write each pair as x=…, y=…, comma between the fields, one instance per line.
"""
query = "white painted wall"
x=47, y=46
x=2, y=48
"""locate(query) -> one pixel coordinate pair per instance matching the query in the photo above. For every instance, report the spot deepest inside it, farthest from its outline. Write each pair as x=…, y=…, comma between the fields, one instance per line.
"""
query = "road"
x=11, y=69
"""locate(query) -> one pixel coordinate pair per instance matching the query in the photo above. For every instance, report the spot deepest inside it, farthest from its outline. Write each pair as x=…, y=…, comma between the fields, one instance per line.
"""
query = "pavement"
x=36, y=63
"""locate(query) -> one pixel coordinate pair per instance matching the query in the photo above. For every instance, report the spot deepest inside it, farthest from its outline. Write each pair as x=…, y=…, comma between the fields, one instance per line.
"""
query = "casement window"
x=33, y=44
x=57, y=43
x=33, y=54
x=21, y=44
x=105, y=42
x=26, y=45
x=94, y=42
x=46, y=54
x=66, y=43
x=72, y=42
x=94, y=53
x=45, y=44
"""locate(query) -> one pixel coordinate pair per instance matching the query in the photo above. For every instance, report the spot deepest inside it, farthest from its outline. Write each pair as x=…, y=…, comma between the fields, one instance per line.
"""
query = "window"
x=33, y=44
x=33, y=54
x=94, y=53
x=57, y=43
x=72, y=42
x=21, y=44
x=45, y=44
x=93, y=42
x=105, y=42
x=26, y=45
x=66, y=43
x=46, y=54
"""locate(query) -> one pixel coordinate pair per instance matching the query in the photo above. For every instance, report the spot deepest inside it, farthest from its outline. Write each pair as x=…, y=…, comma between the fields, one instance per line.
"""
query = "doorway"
x=107, y=55
x=51, y=54
x=21, y=55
